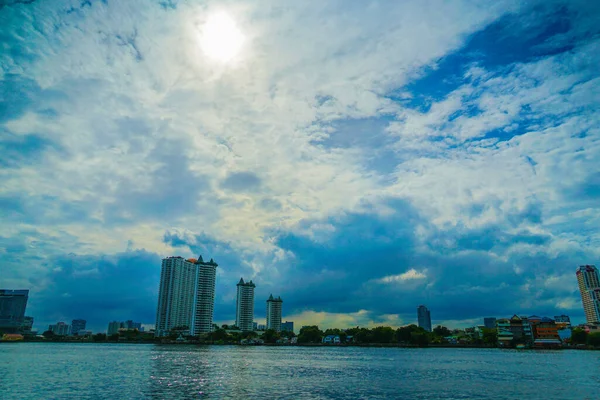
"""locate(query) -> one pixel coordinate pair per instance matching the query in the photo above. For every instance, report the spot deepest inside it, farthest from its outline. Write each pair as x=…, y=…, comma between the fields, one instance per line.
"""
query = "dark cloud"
x=242, y=182
x=98, y=288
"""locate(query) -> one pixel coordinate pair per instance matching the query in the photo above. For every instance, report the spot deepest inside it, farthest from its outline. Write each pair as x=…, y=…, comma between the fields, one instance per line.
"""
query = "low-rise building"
x=331, y=339
x=545, y=332
x=287, y=326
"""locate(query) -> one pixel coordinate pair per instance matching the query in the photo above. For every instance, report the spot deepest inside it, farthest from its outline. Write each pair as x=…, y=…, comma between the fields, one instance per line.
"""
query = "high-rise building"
x=424, y=318
x=186, y=295
x=113, y=327
x=589, y=288
x=12, y=309
x=77, y=325
x=205, y=296
x=274, y=313
x=489, y=322
x=27, y=325
x=287, y=326
x=60, y=329
x=244, y=312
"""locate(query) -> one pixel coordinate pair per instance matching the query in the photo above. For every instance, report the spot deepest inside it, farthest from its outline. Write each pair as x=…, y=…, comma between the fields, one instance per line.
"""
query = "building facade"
x=186, y=295
x=244, y=312
x=274, y=306
x=424, y=318
x=12, y=309
x=77, y=325
x=204, y=296
x=60, y=329
x=113, y=327
x=589, y=288
x=287, y=326
x=489, y=322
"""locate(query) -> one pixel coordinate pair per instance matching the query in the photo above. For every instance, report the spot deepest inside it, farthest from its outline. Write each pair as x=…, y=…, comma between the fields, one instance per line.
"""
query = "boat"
x=11, y=337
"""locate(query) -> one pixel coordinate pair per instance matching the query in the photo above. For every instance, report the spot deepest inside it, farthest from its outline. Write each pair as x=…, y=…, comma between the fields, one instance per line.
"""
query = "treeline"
x=581, y=337
x=410, y=334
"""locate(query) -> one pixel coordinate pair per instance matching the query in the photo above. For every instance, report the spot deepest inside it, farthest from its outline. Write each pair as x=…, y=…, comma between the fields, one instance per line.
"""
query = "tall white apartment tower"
x=186, y=295
x=274, y=313
x=244, y=312
x=589, y=287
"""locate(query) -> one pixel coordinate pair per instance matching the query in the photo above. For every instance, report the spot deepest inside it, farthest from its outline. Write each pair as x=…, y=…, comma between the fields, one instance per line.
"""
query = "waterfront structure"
x=77, y=325
x=27, y=326
x=274, y=306
x=12, y=309
x=589, y=288
x=424, y=318
x=562, y=321
x=287, y=326
x=545, y=332
x=186, y=295
x=489, y=322
x=514, y=331
x=244, y=312
x=60, y=329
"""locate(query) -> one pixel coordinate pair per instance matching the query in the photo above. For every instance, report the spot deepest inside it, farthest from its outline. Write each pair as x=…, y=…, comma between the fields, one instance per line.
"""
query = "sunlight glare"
x=220, y=38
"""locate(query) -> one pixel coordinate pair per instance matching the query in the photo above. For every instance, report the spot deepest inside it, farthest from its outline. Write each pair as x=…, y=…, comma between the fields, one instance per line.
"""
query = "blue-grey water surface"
x=122, y=371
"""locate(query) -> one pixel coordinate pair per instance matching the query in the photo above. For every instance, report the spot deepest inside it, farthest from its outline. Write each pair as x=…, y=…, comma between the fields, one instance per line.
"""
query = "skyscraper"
x=186, y=295
x=12, y=309
x=77, y=325
x=60, y=329
x=424, y=318
x=274, y=313
x=205, y=296
x=589, y=288
x=244, y=312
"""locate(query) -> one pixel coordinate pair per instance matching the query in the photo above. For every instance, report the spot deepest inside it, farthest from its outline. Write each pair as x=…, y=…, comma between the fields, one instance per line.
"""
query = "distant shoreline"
x=361, y=345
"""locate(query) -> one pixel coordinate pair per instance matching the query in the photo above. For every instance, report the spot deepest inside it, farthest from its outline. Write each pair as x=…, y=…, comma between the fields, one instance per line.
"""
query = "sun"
x=220, y=38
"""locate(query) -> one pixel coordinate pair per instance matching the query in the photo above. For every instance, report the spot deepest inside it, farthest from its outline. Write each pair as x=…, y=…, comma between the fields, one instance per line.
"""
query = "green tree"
x=218, y=334
x=593, y=339
x=490, y=336
x=310, y=334
x=382, y=334
x=404, y=334
x=421, y=339
x=49, y=334
x=441, y=331
x=578, y=336
x=270, y=336
x=99, y=337
x=114, y=337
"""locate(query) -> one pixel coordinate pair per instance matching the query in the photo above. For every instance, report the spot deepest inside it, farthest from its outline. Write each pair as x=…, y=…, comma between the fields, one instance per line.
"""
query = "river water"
x=129, y=371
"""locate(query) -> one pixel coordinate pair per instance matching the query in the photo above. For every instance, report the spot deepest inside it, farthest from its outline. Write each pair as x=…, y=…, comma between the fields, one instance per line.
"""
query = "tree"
x=224, y=326
x=578, y=336
x=382, y=334
x=310, y=334
x=593, y=339
x=270, y=336
x=421, y=339
x=441, y=331
x=49, y=334
x=490, y=336
x=99, y=337
x=114, y=337
x=219, y=334
x=404, y=334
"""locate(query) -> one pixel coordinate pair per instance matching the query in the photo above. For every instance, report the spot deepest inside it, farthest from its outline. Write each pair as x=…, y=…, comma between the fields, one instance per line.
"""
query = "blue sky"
x=357, y=158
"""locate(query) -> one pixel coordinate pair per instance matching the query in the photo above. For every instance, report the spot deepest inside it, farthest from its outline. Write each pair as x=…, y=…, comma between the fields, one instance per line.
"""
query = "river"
x=129, y=371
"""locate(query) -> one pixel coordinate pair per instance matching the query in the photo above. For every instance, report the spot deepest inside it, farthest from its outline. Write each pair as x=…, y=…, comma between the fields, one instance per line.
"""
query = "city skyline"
x=358, y=158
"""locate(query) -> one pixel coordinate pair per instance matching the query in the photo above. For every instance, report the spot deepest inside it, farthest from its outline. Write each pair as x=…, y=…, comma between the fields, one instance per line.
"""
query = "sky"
x=356, y=158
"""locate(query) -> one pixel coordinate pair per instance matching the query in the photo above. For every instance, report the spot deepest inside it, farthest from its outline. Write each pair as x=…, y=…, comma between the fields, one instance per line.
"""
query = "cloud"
x=411, y=274
x=347, y=144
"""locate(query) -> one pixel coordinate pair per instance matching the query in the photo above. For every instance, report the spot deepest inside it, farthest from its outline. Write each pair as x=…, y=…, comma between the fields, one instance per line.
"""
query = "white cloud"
x=411, y=274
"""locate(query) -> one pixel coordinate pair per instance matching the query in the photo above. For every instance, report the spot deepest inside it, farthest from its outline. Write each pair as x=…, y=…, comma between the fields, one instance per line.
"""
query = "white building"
x=244, y=312
x=186, y=295
x=274, y=313
x=589, y=288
